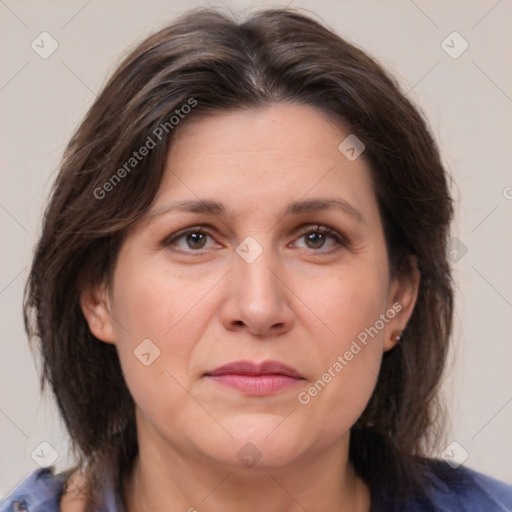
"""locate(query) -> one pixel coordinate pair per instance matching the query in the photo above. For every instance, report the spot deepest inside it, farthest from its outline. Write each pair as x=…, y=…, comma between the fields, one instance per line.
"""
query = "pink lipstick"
x=256, y=379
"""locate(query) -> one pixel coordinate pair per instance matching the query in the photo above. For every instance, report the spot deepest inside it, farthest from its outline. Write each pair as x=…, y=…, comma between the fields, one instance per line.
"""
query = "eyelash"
x=340, y=240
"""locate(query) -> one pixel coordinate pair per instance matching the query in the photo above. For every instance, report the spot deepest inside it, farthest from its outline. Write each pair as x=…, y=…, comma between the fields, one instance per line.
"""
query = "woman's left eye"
x=315, y=238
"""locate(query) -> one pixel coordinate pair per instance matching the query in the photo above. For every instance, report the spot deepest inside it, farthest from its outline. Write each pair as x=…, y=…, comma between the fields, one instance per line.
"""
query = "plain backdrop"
x=467, y=100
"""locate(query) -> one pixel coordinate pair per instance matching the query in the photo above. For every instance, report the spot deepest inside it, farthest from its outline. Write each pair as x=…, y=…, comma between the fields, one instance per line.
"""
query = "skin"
x=300, y=302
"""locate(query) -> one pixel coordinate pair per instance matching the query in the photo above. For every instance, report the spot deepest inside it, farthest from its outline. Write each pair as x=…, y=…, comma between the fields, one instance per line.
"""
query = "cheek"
x=343, y=382
x=349, y=352
x=156, y=326
x=153, y=300
x=146, y=306
x=348, y=302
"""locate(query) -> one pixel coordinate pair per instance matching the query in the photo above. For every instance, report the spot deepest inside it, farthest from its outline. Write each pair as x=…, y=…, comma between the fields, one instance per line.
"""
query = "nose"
x=257, y=298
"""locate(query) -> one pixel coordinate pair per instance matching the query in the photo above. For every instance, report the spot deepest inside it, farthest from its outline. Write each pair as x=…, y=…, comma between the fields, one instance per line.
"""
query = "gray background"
x=468, y=101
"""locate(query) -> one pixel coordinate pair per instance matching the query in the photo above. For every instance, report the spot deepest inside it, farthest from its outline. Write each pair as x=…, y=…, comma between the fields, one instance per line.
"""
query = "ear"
x=402, y=299
x=95, y=304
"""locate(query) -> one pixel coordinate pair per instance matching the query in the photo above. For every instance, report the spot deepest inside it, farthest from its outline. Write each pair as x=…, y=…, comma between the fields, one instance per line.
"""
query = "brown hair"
x=208, y=58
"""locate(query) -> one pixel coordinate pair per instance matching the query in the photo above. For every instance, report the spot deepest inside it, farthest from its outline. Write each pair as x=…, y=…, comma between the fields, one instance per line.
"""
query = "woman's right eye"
x=192, y=240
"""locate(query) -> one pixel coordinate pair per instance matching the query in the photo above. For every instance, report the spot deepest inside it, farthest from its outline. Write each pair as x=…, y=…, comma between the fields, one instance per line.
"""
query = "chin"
x=259, y=440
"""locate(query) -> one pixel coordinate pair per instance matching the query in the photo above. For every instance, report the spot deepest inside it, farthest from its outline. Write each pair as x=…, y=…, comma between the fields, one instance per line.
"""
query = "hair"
x=215, y=63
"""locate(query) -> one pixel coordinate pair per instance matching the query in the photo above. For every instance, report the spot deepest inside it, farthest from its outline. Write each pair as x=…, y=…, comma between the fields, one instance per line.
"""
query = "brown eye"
x=320, y=236
x=196, y=240
x=315, y=240
x=189, y=240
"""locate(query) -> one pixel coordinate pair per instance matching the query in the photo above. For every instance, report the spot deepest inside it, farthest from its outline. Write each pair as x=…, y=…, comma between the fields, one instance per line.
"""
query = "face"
x=290, y=269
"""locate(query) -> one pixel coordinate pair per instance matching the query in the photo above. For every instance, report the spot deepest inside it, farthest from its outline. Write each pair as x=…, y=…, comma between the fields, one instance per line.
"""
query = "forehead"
x=271, y=156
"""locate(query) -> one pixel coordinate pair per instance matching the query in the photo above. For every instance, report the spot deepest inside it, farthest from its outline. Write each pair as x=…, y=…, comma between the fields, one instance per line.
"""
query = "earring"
x=396, y=336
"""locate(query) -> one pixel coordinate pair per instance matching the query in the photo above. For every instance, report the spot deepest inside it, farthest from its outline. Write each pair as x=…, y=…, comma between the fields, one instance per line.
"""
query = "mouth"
x=250, y=378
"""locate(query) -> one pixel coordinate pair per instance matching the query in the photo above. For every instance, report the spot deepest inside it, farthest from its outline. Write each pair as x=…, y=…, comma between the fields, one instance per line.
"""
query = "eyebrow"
x=294, y=208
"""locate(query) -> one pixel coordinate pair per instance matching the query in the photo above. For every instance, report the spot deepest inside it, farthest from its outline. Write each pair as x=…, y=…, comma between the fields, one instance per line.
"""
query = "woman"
x=241, y=290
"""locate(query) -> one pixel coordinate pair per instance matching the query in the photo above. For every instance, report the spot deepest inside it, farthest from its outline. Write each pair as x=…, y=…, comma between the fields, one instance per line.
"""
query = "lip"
x=256, y=378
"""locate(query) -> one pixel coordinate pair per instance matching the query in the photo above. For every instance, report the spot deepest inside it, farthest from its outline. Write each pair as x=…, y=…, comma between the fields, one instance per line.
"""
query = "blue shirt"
x=468, y=491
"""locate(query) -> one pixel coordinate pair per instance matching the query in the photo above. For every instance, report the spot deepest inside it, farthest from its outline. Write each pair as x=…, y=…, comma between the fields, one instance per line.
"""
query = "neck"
x=166, y=479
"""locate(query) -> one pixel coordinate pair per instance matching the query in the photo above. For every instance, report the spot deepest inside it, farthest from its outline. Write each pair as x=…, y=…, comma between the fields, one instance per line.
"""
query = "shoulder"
x=442, y=488
x=44, y=491
x=464, y=489
x=40, y=491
